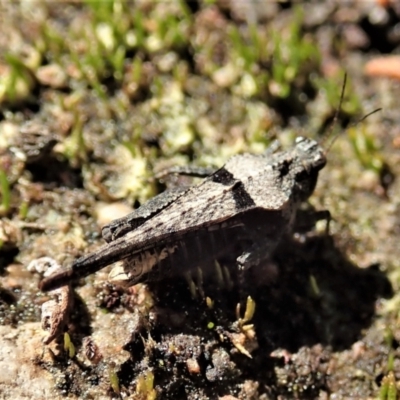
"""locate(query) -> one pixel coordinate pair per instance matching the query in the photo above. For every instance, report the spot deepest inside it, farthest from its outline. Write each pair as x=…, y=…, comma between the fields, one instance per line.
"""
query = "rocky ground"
x=96, y=97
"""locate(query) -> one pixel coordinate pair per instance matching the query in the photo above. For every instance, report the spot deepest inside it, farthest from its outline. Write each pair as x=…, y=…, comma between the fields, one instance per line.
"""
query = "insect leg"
x=306, y=220
x=257, y=252
x=272, y=148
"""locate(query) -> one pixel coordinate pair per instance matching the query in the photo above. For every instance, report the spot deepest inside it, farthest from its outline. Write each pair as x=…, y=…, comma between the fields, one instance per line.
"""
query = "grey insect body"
x=241, y=210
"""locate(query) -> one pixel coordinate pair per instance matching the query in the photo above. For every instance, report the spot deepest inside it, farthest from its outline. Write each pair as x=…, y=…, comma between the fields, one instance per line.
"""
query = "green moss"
x=69, y=346
x=16, y=82
x=366, y=148
x=388, y=389
x=248, y=314
x=74, y=148
x=5, y=192
x=145, y=386
x=293, y=53
x=114, y=380
x=315, y=290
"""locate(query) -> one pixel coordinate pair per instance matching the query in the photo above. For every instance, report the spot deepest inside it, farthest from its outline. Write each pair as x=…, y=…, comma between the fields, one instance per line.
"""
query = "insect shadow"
x=309, y=293
x=320, y=297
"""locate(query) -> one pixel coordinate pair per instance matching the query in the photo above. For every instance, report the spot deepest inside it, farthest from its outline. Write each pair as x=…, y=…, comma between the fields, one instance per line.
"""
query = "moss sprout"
x=145, y=386
x=114, y=380
x=5, y=192
x=69, y=346
x=388, y=389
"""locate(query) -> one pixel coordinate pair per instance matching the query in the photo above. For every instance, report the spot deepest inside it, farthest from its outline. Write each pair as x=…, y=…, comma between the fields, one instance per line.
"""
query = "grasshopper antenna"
x=334, y=122
x=335, y=118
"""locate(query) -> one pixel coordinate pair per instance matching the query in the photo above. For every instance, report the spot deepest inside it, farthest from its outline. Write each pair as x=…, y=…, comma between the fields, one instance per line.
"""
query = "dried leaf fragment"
x=55, y=312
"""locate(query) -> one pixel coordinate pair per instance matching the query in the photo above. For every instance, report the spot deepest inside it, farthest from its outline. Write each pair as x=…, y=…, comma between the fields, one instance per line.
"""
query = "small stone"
x=52, y=75
x=193, y=366
x=108, y=212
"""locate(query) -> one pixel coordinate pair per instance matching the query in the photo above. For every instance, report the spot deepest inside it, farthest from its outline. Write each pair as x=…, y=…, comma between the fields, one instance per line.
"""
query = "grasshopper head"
x=308, y=158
